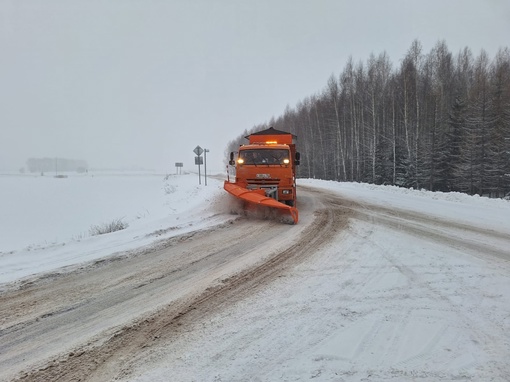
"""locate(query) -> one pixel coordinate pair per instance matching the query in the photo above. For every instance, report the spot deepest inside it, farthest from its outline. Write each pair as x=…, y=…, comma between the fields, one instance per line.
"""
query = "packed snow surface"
x=378, y=303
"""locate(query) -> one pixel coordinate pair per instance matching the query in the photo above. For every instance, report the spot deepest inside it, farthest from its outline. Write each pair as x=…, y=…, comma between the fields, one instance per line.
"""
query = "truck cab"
x=268, y=163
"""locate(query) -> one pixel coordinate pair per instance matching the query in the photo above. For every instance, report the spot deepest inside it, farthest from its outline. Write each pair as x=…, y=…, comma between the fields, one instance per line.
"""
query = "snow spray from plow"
x=265, y=171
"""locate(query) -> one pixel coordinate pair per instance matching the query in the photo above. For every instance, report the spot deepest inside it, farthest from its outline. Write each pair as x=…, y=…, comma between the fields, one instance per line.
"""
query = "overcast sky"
x=141, y=83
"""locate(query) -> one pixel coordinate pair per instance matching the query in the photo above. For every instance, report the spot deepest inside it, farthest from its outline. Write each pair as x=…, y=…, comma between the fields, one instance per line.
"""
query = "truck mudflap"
x=258, y=197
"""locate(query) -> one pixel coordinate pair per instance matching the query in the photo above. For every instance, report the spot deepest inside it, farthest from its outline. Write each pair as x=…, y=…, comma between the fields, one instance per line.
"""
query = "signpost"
x=205, y=165
x=198, y=160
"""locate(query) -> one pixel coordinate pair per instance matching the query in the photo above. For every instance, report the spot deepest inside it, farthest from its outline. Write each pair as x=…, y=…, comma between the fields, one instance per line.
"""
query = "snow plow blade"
x=258, y=197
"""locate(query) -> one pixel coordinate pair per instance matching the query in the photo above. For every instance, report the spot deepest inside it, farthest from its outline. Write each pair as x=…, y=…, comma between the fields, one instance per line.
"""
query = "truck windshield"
x=265, y=156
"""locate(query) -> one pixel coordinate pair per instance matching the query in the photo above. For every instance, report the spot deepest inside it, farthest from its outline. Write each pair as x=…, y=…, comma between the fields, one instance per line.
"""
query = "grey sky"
x=124, y=83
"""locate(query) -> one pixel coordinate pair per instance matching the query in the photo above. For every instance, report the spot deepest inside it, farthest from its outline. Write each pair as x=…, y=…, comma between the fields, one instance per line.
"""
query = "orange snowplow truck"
x=265, y=171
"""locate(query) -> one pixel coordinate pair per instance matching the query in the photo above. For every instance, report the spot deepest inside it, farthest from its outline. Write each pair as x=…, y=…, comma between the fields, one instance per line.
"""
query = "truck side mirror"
x=297, y=159
x=231, y=161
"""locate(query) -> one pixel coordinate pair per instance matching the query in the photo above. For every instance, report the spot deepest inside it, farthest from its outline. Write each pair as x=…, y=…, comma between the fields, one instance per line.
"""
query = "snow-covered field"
x=45, y=222
x=380, y=302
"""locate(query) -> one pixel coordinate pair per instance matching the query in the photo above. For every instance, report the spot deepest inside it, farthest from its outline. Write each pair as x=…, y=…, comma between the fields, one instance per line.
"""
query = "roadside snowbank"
x=484, y=212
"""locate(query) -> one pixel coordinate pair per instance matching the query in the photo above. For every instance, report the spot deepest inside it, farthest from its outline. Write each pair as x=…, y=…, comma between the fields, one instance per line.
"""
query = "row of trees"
x=41, y=165
x=437, y=121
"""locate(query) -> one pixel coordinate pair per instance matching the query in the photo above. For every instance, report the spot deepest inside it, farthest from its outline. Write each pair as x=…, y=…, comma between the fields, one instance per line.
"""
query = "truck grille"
x=264, y=182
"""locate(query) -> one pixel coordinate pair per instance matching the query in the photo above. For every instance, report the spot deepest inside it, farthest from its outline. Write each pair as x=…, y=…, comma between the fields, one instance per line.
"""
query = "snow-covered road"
x=373, y=284
x=87, y=320
x=397, y=295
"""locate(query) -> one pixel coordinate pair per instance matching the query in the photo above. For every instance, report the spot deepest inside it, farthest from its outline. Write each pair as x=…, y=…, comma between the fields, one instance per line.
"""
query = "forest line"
x=436, y=121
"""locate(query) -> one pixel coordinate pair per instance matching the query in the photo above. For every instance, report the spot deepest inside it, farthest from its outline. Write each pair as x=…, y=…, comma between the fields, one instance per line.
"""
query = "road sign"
x=178, y=167
x=199, y=160
x=198, y=150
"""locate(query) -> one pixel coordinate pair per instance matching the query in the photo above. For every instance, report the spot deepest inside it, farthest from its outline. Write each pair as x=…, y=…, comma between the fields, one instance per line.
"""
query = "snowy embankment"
x=455, y=206
x=45, y=222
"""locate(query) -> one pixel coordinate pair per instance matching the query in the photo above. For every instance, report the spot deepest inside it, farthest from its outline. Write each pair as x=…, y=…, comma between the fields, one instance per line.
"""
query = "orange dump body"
x=265, y=171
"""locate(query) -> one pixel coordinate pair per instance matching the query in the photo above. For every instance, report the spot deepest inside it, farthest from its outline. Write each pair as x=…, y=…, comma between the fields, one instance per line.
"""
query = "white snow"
x=476, y=210
x=45, y=221
x=377, y=304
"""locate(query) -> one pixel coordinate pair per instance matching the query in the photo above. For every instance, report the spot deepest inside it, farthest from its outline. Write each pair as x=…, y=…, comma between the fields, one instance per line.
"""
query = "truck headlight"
x=286, y=192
